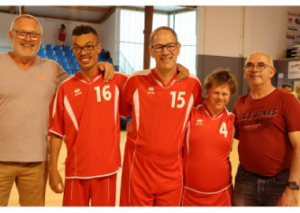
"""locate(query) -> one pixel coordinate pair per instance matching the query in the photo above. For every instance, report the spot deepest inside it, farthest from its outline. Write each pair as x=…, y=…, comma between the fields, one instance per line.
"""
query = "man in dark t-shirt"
x=268, y=128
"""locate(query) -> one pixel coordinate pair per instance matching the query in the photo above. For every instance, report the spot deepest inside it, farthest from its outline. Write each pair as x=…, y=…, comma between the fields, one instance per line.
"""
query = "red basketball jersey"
x=207, y=167
x=87, y=114
x=159, y=112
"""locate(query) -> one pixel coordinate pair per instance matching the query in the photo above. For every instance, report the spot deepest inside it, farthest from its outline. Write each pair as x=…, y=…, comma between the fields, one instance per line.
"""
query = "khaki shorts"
x=30, y=179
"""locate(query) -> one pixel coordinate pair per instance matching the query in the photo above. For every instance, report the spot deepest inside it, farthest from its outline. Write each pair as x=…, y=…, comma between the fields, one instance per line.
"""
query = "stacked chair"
x=65, y=57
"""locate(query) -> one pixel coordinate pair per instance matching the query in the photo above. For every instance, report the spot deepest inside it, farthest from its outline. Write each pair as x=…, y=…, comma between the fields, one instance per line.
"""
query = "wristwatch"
x=293, y=185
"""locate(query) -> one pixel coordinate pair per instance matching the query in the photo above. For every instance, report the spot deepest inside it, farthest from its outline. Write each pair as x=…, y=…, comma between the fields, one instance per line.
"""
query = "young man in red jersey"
x=160, y=107
x=86, y=112
x=210, y=131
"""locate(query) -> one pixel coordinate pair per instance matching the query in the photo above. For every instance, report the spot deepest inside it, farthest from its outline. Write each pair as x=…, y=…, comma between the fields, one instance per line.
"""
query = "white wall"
x=238, y=31
x=110, y=36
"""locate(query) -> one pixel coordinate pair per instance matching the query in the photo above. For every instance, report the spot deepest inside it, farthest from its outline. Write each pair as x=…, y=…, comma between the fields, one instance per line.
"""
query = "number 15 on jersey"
x=177, y=100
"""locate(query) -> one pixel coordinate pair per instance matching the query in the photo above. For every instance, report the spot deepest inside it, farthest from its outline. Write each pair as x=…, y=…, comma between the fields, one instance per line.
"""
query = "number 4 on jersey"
x=105, y=93
x=223, y=130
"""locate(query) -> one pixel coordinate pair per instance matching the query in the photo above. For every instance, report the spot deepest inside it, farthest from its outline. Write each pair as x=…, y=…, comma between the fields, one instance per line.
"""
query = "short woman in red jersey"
x=209, y=136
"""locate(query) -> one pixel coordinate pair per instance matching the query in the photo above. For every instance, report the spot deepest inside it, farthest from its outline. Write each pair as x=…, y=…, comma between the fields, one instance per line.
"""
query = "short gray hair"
x=26, y=16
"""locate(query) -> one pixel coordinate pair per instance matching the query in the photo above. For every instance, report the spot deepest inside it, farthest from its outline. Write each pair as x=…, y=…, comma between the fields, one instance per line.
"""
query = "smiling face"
x=87, y=61
x=256, y=78
x=165, y=60
x=217, y=97
x=25, y=47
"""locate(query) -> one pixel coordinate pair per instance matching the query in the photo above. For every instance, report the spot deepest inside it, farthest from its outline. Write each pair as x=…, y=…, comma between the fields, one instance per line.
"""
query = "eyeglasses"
x=260, y=66
x=23, y=35
x=159, y=47
x=87, y=49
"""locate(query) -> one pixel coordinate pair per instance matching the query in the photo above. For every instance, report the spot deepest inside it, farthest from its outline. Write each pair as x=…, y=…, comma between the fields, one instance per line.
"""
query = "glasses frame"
x=27, y=33
x=176, y=43
x=255, y=65
x=83, y=48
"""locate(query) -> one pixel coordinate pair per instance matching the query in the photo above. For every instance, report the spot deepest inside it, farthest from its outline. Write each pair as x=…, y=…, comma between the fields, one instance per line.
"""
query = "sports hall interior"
x=220, y=36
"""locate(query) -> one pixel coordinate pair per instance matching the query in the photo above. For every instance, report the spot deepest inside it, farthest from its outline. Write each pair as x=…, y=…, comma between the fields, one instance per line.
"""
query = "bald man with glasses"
x=28, y=84
x=268, y=129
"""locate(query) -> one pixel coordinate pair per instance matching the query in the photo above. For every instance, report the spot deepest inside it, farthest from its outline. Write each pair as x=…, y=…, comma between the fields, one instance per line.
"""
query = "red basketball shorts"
x=150, y=180
x=99, y=191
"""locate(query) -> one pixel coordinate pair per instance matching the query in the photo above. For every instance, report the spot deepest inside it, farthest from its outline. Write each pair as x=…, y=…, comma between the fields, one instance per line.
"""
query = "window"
x=132, y=38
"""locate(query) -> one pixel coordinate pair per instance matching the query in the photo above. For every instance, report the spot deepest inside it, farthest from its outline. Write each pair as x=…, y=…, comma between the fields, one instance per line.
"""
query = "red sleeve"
x=127, y=96
x=197, y=93
x=58, y=110
x=121, y=81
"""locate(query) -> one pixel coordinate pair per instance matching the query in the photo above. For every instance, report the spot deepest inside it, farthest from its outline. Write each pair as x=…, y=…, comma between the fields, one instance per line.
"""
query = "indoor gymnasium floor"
x=53, y=199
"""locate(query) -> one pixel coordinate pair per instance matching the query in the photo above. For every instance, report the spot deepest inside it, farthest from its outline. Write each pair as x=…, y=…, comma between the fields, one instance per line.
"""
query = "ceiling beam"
x=66, y=19
x=107, y=15
x=141, y=9
x=181, y=11
x=87, y=8
x=12, y=9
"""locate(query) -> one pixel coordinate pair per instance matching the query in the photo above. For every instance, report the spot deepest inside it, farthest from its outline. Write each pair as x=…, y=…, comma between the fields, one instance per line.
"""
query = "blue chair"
x=51, y=52
x=108, y=60
x=63, y=59
x=53, y=57
x=69, y=54
x=66, y=65
x=60, y=53
x=75, y=67
x=49, y=47
x=41, y=51
x=42, y=55
x=102, y=53
x=42, y=46
x=73, y=60
x=67, y=49
x=58, y=48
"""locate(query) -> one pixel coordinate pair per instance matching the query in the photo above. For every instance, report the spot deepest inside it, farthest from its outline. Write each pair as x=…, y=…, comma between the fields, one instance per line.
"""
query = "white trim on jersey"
x=188, y=111
x=98, y=176
x=70, y=112
x=136, y=103
x=142, y=72
x=188, y=137
x=117, y=93
x=56, y=133
x=83, y=81
x=208, y=193
x=55, y=100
